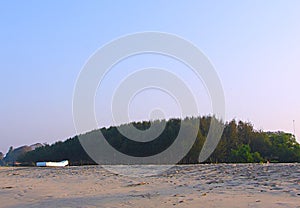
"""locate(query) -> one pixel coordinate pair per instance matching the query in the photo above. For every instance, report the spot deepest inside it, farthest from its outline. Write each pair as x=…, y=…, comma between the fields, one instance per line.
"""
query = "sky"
x=253, y=45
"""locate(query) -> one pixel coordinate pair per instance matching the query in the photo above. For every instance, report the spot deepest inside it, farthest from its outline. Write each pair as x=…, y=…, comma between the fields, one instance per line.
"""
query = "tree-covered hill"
x=240, y=142
x=12, y=155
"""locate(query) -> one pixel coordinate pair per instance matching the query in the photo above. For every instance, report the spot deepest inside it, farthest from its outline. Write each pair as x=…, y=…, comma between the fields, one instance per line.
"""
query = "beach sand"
x=217, y=185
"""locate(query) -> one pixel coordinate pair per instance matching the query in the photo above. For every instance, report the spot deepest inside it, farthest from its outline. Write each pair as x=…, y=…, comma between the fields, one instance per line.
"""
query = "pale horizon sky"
x=253, y=45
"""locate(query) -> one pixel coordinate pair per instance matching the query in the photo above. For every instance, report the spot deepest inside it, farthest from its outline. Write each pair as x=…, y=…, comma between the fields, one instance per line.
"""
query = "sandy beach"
x=219, y=185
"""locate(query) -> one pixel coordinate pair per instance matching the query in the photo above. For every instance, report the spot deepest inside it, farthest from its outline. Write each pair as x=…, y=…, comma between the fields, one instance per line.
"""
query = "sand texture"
x=220, y=185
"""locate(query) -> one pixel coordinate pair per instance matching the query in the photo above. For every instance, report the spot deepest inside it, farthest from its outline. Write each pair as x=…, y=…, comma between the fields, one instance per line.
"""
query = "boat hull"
x=53, y=164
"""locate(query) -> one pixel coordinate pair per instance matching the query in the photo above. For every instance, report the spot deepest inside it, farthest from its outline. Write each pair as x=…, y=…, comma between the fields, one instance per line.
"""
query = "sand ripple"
x=209, y=185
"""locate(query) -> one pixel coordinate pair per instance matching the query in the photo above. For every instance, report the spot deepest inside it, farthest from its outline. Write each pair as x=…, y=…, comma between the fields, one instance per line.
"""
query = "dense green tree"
x=261, y=143
x=245, y=132
x=243, y=155
x=284, y=147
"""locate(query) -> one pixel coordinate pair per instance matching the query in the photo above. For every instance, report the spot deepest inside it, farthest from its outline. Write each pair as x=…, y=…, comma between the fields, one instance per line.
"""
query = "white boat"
x=53, y=164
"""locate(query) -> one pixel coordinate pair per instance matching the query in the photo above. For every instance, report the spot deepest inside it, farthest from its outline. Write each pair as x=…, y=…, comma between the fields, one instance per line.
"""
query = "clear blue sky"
x=254, y=46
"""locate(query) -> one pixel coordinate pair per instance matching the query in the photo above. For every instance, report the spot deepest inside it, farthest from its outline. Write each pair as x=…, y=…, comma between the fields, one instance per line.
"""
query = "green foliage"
x=239, y=143
x=243, y=155
x=284, y=147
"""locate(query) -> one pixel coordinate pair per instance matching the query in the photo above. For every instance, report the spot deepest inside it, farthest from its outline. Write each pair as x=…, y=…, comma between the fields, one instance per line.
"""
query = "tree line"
x=240, y=143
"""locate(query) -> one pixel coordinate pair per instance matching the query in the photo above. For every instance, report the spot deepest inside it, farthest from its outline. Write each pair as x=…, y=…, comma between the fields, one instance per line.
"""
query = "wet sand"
x=220, y=185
